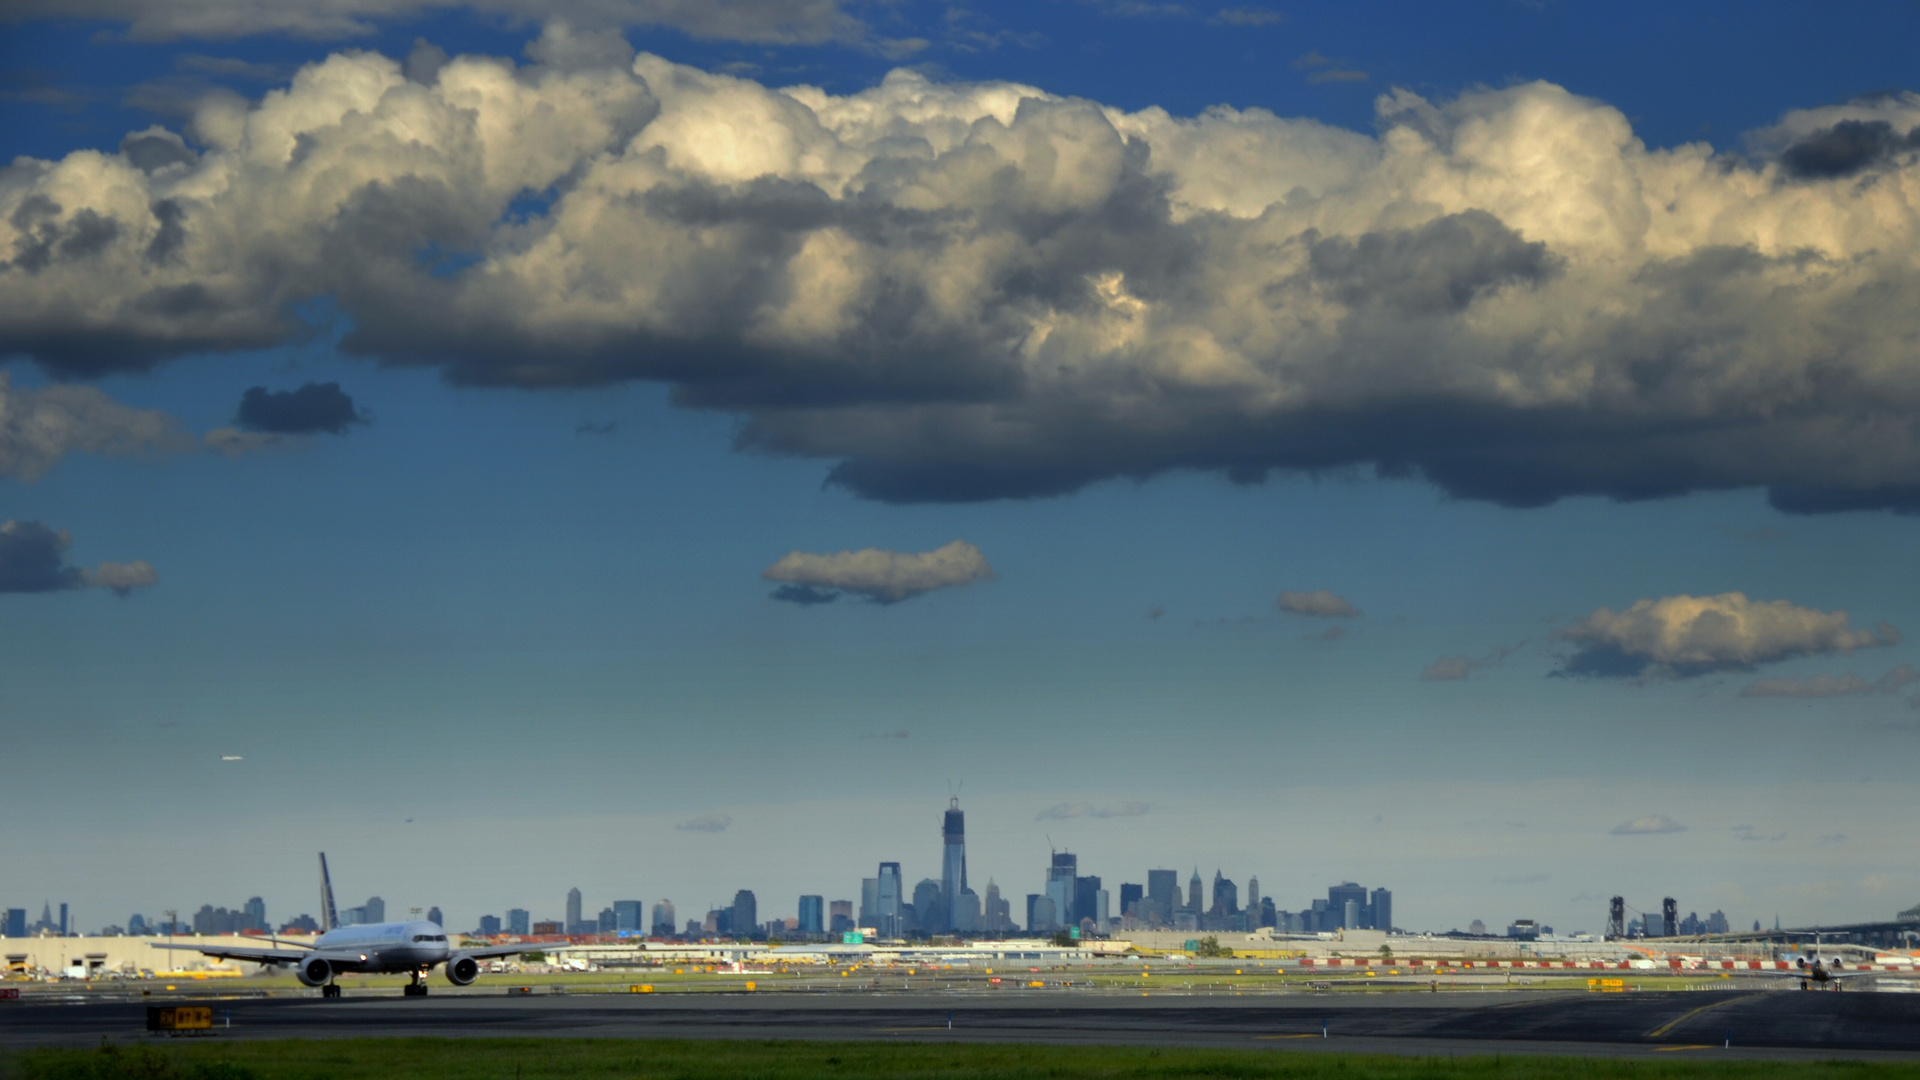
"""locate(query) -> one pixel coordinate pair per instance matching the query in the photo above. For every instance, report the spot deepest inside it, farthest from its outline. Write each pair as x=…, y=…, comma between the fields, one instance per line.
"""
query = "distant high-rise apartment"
x=489, y=925
x=953, y=865
x=1042, y=914
x=434, y=916
x=840, y=914
x=16, y=922
x=1130, y=894
x=663, y=923
x=745, y=914
x=1086, y=899
x=811, y=915
x=256, y=913
x=870, y=903
x=1253, y=894
x=628, y=916
x=927, y=904
x=608, y=922
x=1194, y=903
x=996, y=913
x=519, y=922
x=573, y=909
x=889, y=901
x=376, y=910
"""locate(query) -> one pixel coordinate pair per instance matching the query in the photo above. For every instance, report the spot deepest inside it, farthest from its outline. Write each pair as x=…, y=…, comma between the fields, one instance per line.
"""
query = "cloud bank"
x=1658, y=823
x=1696, y=635
x=961, y=291
x=1826, y=686
x=885, y=577
x=1320, y=603
x=1066, y=811
x=33, y=559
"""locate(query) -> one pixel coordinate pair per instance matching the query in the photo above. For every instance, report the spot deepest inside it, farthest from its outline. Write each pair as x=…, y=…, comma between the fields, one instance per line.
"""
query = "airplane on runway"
x=374, y=948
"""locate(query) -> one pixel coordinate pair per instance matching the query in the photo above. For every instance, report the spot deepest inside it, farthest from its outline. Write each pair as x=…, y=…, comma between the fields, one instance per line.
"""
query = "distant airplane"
x=373, y=948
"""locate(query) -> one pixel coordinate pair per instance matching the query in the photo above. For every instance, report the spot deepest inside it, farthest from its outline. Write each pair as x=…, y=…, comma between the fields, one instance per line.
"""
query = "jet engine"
x=313, y=972
x=462, y=970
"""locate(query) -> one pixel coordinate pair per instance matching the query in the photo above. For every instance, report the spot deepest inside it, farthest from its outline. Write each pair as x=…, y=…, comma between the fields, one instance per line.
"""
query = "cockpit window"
x=429, y=937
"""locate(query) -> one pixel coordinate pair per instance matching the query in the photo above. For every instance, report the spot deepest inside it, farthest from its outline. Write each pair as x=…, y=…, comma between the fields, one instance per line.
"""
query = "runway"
x=1765, y=1024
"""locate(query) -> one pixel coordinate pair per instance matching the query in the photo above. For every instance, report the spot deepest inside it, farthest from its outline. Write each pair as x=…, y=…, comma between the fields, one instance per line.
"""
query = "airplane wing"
x=242, y=952
x=509, y=950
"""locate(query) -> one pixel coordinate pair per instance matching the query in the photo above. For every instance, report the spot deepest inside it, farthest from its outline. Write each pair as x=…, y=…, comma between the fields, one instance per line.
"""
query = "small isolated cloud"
x=33, y=560
x=1323, y=69
x=1246, y=16
x=1696, y=635
x=884, y=577
x=709, y=823
x=40, y=427
x=315, y=407
x=588, y=427
x=1064, y=811
x=1454, y=668
x=1320, y=604
x=1826, y=686
x=1643, y=826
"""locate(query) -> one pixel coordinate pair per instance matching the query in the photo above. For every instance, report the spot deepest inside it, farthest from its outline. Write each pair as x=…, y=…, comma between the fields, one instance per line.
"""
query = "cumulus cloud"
x=314, y=407
x=1320, y=603
x=33, y=559
x=782, y=22
x=957, y=291
x=1064, y=811
x=707, y=823
x=1658, y=823
x=1695, y=635
x=885, y=577
x=39, y=427
x=1824, y=686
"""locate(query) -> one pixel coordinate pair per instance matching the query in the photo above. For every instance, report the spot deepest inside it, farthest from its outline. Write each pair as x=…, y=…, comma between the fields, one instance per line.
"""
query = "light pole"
x=173, y=923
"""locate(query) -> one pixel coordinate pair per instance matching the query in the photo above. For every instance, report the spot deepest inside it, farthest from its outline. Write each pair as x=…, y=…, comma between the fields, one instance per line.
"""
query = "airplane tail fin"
x=328, y=919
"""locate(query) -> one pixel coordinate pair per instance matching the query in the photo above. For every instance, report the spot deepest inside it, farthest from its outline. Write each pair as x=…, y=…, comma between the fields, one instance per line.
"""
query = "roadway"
x=1760, y=1024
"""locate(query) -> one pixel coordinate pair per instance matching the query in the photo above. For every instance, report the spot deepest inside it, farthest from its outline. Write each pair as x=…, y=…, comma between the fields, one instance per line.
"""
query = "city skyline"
x=1469, y=446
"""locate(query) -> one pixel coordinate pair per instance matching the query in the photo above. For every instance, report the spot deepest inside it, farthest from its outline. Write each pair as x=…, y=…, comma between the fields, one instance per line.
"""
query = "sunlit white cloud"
x=887, y=577
x=1695, y=635
x=981, y=290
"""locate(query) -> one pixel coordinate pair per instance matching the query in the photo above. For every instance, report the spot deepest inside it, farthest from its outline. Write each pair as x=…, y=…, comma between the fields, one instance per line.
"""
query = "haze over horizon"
x=665, y=449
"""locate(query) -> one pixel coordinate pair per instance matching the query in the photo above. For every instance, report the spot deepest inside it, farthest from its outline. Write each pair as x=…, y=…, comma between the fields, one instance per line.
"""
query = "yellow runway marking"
x=1676, y=1021
x=1666, y=1049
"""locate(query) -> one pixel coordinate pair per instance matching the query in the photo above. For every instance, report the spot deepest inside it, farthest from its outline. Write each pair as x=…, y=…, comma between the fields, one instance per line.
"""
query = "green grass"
x=539, y=1059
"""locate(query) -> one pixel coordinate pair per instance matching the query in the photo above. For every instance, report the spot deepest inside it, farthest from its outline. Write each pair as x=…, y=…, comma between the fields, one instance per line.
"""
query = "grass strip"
x=688, y=1059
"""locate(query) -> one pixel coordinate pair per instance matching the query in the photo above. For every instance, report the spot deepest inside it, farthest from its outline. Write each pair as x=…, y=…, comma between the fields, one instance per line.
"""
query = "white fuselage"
x=376, y=947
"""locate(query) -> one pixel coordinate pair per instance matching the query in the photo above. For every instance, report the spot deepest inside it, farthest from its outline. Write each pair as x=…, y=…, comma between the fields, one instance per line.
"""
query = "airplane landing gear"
x=416, y=988
x=330, y=991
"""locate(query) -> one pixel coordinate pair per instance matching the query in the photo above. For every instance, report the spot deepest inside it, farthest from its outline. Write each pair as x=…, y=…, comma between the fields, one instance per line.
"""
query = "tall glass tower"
x=953, y=864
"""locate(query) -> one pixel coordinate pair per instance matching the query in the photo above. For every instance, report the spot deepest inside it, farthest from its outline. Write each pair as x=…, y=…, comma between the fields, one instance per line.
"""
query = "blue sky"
x=510, y=612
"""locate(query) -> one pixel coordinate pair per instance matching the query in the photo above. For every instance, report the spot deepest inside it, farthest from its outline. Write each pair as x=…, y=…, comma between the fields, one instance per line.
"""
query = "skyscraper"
x=489, y=925
x=927, y=904
x=1382, y=910
x=811, y=921
x=997, y=914
x=1163, y=890
x=1086, y=899
x=518, y=922
x=1193, y=893
x=433, y=916
x=870, y=903
x=840, y=914
x=1060, y=878
x=663, y=923
x=628, y=916
x=745, y=914
x=63, y=918
x=1253, y=894
x=953, y=866
x=1338, y=898
x=1130, y=895
x=16, y=922
x=573, y=910
x=888, y=901
x=256, y=914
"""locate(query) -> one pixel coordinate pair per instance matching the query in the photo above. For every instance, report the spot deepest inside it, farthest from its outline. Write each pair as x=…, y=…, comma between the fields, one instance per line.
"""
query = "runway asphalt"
x=1769, y=1024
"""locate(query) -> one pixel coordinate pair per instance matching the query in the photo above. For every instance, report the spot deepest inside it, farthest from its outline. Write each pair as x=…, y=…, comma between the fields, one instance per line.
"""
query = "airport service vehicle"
x=415, y=948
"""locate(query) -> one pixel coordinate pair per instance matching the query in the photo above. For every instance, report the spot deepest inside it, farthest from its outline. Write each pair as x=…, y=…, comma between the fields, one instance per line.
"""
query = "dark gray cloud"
x=33, y=559
x=957, y=292
x=1846, y=148
x=804, y=595
x=314, y=407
